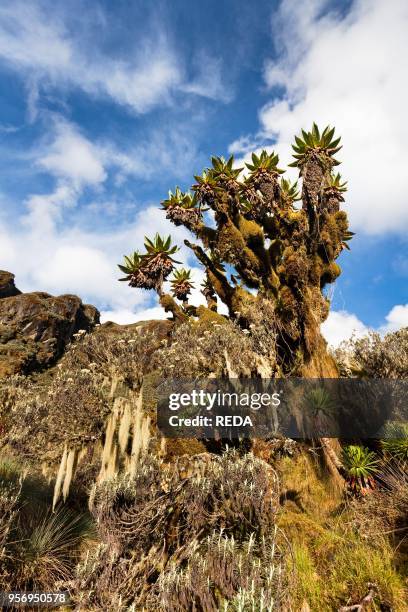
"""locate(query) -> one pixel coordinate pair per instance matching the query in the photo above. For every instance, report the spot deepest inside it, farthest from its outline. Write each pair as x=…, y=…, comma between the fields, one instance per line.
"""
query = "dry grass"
x=374, y=356
x=164, y=541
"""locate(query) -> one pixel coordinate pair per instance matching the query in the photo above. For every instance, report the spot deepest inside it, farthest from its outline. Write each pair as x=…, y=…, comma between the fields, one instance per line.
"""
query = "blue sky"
x=105, y=106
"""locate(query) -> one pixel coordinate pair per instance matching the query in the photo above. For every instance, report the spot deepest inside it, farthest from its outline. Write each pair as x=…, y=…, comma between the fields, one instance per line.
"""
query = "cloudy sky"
x=105, y=106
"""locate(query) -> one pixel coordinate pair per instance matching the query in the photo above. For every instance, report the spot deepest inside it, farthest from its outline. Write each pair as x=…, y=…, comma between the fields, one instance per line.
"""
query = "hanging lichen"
x=126, y=440
x=70, y=469
x=60, y=477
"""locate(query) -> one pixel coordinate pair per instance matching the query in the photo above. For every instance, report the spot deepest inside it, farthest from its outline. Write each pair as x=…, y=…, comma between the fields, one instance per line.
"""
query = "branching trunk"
x=170, y=305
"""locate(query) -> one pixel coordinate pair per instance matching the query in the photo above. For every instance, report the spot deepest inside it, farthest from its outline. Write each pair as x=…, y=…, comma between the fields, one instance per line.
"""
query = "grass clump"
x=39, y=549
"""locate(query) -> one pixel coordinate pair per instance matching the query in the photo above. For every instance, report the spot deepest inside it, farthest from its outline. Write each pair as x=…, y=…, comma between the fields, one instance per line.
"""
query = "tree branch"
x=218, y=279
x=170, y=305
x=364, y=602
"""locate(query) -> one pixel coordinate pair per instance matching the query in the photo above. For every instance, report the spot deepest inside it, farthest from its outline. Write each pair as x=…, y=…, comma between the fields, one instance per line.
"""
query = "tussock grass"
x=45, y=550
x=39, y=548
x=333, y=561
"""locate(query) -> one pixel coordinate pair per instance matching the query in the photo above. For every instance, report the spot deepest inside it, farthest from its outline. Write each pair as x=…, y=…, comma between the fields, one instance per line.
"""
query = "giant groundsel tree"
x=268, y=247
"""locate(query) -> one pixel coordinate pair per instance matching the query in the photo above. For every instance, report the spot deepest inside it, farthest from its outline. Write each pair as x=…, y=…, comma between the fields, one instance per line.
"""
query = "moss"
x=252, y=233
x=275, y=250
x=326, y=248
x=6, y=333
x=329, y=273
x=167, y=301
x=332, y=563
x=208, y=235
x=221, y=286
x=341, y=218
x=315, y=270
x=230, y=243
x=242, y=300
x=170, y=305
x=332, y=231
x=232, y=248
x=175, y=447
x=296, y=266
x=206, y=315
x=273, y=282
x=287, y=304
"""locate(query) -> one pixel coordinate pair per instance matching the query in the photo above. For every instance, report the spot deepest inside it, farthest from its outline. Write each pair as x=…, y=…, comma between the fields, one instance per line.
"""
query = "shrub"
x=164, y=537
x=374, y=356
x=37, y=548
x=361, y=465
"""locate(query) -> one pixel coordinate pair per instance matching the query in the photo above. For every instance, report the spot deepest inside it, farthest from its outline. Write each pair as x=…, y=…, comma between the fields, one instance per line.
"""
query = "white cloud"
x=83, y=269
x=40, y=44
x=63, y=256
x=49, y=255
x=76, y=161
x=45, y=210
x=29, y=40
x=342, y=325
x=348, y=72
x=72, y=156
x=36, y=40
x=396, y=318
x=125, y=316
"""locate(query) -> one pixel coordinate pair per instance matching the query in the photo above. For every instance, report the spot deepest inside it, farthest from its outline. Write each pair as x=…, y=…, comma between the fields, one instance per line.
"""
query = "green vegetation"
x=339, y=548
x=396, y=441
x=93, y=499
x=315, y=143
x=181, y=284
x=279, y=257
x=150, y=270
x=264, y=525
x=38, y=547
x=361, y=465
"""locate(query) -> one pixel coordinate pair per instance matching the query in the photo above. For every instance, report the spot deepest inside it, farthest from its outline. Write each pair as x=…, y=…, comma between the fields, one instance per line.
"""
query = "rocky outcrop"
x=7, y=286
x=36, y=327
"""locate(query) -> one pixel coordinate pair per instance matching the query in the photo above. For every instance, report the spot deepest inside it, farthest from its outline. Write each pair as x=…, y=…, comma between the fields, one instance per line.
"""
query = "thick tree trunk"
x=322, y=365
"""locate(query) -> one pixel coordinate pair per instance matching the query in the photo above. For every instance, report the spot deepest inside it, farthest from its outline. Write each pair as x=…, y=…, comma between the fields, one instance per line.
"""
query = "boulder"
x=7, y=286
x=35, y=328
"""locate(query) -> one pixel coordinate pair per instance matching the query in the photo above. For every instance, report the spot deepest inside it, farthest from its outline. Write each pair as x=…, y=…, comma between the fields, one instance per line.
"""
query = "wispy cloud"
x=71, y=156
x=66, y=153
x=8, y=129
x=166, y=150
x=35, y=39
x=208, y=80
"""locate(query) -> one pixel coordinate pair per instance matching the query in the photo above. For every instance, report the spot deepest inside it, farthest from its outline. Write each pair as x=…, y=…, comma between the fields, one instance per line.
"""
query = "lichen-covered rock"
x=7, y=286
x=36, y=327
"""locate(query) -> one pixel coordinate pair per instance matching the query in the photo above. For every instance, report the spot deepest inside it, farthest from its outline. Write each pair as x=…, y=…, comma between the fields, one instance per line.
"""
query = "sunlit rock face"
x=36, y=327
x=7, y=286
